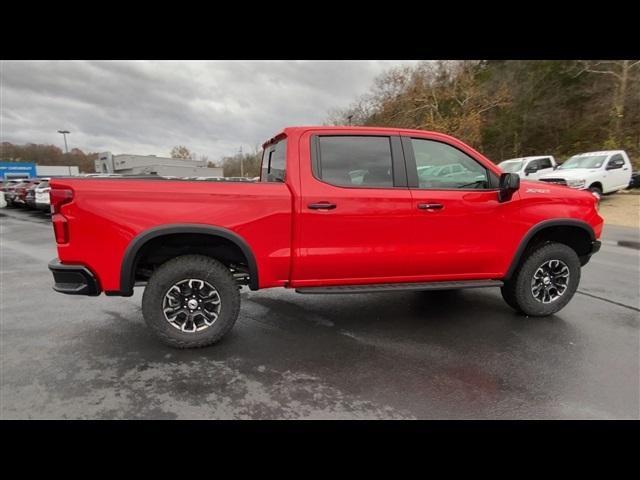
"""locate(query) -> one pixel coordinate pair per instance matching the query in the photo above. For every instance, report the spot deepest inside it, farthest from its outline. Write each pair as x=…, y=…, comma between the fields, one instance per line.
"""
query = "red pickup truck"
x=336, y=210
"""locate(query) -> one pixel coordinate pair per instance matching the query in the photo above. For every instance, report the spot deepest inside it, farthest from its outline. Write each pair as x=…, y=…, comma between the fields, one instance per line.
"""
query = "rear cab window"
x=274, y=162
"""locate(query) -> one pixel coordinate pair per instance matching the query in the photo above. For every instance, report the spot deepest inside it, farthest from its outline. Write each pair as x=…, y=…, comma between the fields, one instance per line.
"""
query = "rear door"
x=460, y=230
x=355, y=217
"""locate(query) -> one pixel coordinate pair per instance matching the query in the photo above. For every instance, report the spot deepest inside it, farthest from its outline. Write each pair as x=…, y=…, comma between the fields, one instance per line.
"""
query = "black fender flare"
x=131, y=253
x=538, y=227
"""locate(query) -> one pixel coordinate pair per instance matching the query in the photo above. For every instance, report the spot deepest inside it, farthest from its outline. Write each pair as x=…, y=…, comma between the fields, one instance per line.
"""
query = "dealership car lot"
x=387, y=355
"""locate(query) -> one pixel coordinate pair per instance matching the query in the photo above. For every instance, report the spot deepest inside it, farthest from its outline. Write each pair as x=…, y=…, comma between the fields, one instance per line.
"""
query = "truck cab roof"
x=534, y=157
x=602, y=152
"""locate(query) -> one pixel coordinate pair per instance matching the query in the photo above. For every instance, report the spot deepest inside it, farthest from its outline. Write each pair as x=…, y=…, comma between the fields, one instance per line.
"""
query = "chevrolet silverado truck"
x=336, y=210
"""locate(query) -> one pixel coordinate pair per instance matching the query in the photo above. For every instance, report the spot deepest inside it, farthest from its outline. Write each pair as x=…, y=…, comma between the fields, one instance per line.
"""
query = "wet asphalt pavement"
x=367, y=356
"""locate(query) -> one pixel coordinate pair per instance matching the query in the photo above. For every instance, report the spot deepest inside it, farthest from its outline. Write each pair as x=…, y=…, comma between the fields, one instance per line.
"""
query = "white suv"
x=600, y=172
x=529, y=168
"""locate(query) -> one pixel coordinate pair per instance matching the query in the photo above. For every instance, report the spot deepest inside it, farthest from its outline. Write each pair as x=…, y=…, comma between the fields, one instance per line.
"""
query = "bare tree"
x=180, y=151
x=619, y=71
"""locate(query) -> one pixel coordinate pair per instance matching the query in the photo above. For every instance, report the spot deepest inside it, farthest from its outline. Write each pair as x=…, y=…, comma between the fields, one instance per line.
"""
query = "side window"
x=443, y=167
x=616, y=161
x=355, y=161
x=273, y=162
x=532, y=166
x=544, y=163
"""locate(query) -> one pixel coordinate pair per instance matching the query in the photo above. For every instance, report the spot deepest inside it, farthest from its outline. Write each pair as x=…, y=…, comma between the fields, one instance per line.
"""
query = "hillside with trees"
x=507, y=108
x=47, y=155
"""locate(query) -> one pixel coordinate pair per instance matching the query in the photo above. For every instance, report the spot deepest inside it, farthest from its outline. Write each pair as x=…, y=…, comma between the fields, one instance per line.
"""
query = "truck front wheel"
x=545, y=282
x=191, y=301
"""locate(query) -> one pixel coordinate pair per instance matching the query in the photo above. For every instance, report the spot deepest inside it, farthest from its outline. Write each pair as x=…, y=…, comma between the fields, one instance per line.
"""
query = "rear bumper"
x=73, y=279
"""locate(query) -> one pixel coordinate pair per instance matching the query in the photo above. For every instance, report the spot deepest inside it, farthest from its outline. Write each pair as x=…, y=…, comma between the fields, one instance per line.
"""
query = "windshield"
x=511, y=166
x=584, y=161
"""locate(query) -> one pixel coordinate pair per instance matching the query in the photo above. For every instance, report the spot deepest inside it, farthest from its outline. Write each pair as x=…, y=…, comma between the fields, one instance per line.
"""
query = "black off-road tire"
x=517, y=291
x=191, y=267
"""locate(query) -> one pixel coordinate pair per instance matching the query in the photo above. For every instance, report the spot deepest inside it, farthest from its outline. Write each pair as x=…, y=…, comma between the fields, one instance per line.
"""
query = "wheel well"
x=596, y=184
x=576, y=237
x=160, y=249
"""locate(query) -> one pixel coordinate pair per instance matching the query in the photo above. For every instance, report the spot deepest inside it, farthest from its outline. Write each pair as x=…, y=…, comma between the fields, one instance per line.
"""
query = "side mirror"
x=530, y=169
x=509, y=183
x=615, y=164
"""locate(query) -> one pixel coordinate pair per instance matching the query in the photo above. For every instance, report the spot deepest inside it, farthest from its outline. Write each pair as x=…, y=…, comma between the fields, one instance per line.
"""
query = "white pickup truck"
x=601, y=172
x=529, y=168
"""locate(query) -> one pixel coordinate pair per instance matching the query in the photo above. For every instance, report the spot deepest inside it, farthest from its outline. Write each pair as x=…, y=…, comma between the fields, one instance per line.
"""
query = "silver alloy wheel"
x=550, y=281
x=191, y=305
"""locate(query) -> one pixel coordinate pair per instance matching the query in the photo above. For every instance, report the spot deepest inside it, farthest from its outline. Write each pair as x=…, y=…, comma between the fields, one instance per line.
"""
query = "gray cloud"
x=213, y=107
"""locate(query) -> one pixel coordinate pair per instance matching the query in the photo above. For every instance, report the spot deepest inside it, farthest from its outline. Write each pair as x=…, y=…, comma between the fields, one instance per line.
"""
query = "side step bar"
x=399, y=287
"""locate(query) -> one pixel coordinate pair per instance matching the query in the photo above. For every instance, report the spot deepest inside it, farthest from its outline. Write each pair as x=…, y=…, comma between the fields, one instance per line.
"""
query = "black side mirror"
x=614, y=165
x=530, y=169
x=509, y=183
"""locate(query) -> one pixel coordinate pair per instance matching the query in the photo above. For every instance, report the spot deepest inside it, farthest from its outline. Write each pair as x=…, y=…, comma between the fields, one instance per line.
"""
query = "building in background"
x=17, y=170
x=152, y=165
x=56, y=170
x=10, y=170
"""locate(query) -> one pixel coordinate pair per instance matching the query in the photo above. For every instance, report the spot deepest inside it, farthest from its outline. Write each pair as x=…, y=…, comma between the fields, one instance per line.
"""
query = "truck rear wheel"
x=545, y=282
x=191, y=301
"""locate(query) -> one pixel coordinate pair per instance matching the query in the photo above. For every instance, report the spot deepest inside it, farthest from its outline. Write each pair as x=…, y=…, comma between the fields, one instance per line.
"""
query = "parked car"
x=19, y=192
x=9, y=188
x=307, y=226
x=42, y=195
x=600, y=172
x=3, y=202
x=3, y=185
x=529, y=168
x=30, y=197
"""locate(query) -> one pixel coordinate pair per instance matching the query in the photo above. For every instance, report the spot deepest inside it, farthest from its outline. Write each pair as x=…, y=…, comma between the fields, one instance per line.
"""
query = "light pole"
x=64, y=134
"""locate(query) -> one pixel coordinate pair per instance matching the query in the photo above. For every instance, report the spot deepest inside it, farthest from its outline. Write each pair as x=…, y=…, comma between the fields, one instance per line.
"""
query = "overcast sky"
x=148, y=107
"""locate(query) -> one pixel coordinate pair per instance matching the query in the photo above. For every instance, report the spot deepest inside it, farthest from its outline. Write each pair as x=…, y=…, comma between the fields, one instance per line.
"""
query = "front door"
x=355, y=216
x=544, y=166
x=460, y=229
x=616, y=174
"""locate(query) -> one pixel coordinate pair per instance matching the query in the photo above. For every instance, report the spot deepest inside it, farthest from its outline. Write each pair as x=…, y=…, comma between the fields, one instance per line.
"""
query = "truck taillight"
x=60, y=228
x=58, y=197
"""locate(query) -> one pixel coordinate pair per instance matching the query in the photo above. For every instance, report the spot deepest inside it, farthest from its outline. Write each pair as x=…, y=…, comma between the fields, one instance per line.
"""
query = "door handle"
x=322, y=206
x=430, y=206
